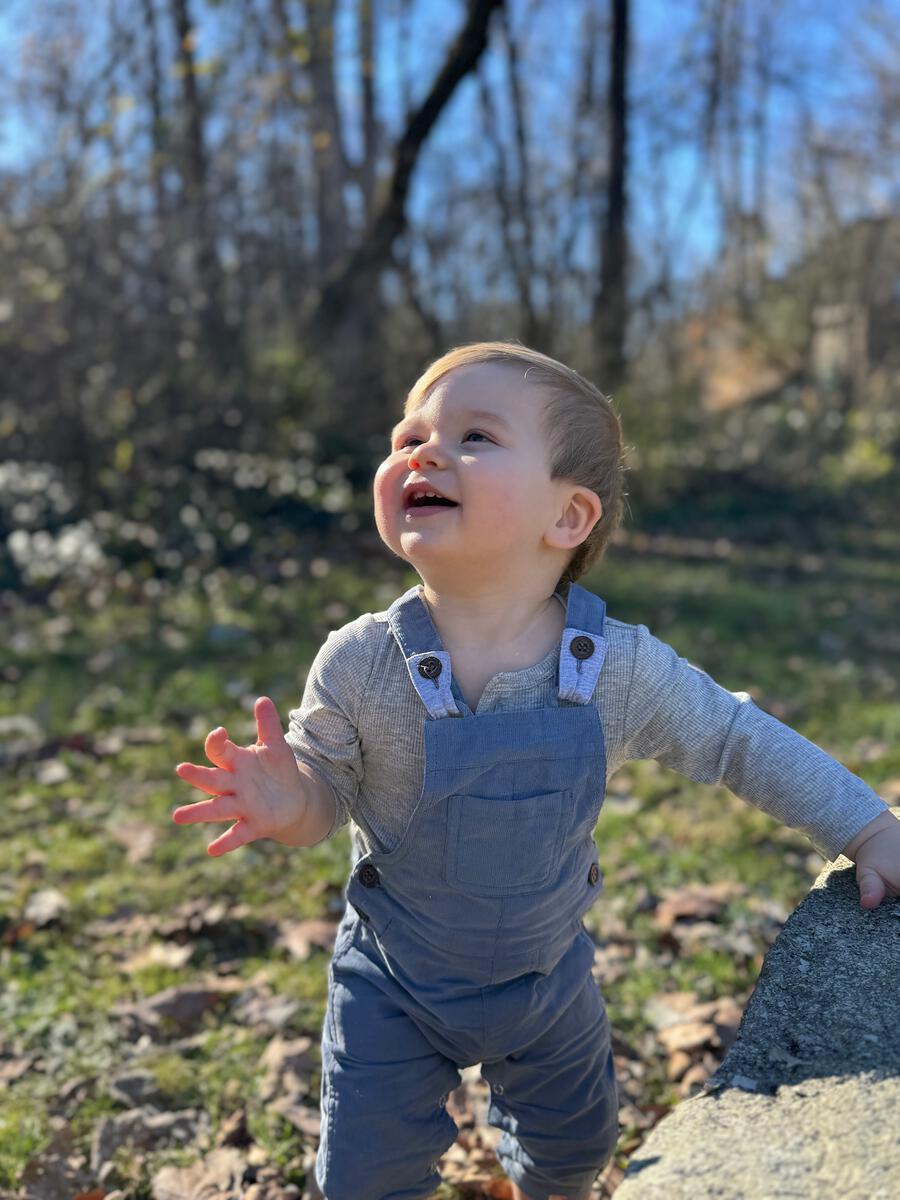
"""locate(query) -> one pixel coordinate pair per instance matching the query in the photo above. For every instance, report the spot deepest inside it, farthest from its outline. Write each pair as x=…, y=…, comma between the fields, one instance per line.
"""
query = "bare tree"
x=514, y=202
x=329, y=153
x=347, y=318
x=371, y=134
x=195, y=174
x=610, y=316
x=201, y=224
x=565, y=279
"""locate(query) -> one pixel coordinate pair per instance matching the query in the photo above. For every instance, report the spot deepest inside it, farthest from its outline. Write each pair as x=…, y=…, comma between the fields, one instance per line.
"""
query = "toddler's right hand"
x=258, y=787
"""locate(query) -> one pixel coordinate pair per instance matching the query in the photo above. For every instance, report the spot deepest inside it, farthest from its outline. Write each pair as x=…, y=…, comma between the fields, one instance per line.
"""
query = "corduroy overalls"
x=465, y=944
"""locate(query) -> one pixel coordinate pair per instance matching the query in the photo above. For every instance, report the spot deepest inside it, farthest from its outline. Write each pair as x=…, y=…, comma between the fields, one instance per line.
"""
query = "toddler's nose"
x=426, y=453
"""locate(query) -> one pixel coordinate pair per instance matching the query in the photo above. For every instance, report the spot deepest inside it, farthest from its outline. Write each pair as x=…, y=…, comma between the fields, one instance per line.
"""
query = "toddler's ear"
x=582, y=511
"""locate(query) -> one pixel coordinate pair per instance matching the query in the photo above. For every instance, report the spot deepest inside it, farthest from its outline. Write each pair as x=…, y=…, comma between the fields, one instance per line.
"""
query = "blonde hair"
x=582, y=430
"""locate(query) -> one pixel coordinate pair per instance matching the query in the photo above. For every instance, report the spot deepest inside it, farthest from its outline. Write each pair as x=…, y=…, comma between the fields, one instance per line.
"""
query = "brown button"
x=581, y=646
x=368, y=875
x=430, y=667
x=593, y=875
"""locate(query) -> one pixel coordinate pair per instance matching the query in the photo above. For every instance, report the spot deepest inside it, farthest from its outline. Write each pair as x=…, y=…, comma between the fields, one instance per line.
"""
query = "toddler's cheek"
x=383, y=472
x=384, y=487
x=387, y=504
x=507, y=513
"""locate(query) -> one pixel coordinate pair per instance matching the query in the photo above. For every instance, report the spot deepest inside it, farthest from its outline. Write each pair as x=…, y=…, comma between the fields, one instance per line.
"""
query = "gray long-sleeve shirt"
x=360, y=725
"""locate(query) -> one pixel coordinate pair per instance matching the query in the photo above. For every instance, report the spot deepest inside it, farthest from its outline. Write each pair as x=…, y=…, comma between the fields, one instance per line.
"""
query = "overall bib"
x=465, y=943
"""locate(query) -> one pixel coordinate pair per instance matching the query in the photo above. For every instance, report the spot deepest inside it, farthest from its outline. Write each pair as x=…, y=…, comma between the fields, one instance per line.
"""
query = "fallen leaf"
x=695, y=901
x=138, y=838
x=164, y=954
x=304, y=1118
x=299, y=937
x=689, y=1035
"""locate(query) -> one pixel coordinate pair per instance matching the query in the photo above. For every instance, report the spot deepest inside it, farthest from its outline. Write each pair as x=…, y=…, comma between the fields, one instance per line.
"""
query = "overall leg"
x=384, y=1086
x=557, y=1104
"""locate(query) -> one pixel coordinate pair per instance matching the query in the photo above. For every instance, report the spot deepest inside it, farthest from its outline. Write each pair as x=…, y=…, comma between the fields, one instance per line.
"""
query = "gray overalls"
x=465, y=944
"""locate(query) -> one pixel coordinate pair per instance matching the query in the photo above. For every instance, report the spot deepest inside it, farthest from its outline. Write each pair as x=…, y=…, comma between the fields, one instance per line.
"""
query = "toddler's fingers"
x=231, y=839
x=219, y=749
x=220, y=808
x=268, y=723
x=871, y=887
x=209, y=779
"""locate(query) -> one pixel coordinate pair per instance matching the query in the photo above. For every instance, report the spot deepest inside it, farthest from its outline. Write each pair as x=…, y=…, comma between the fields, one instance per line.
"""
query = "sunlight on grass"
x=164, y=677
x=24, y=1129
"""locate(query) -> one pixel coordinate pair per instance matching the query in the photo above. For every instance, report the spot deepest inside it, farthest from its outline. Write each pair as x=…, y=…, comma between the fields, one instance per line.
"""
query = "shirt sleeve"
x=681, y=717
x=323, y=732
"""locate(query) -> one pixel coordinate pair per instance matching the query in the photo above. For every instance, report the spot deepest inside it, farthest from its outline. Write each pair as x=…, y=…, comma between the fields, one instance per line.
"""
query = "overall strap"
x=583, y=646
x=427, y=661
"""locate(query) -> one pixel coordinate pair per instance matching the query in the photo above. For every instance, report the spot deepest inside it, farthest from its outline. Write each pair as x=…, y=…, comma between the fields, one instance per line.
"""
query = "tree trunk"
x=346, y=324
x=329, y=157
x=195, y=171
x=158, y=142
x=513, y=199
x=611, y=304
x=369, y=165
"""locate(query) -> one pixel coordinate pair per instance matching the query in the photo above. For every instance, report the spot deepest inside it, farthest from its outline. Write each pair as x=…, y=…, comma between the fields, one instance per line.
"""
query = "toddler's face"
x=477, y=441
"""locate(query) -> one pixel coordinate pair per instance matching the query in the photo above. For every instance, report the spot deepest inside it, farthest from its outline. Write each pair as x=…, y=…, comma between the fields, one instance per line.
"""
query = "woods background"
x=232, y=234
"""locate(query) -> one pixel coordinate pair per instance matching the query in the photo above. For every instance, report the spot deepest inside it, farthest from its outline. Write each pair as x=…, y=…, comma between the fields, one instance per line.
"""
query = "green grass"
x=805, y=642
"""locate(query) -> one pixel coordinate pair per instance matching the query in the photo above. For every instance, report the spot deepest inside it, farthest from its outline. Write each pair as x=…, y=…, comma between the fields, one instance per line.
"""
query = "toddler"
x=468, y=732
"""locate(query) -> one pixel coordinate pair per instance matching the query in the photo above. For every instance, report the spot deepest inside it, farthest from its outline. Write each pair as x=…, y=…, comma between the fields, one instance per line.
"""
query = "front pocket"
x=504, y=846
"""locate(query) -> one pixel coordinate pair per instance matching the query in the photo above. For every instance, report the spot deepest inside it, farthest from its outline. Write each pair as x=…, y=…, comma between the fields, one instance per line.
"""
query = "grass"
x=122, y=693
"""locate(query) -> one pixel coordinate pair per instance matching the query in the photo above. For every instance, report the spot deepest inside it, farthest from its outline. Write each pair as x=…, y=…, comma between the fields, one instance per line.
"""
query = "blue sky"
x=828, y=82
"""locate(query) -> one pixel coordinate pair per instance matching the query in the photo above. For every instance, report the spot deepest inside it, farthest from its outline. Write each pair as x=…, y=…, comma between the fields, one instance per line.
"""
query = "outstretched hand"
x=258, y=787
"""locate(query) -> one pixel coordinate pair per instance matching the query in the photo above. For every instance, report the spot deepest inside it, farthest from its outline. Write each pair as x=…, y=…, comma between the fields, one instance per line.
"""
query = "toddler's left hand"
x=878, y=864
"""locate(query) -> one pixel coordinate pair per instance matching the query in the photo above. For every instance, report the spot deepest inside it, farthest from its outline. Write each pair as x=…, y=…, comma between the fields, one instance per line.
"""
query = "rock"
x=135, y=1089
x=182, y=1005
x=804, y=1103
x=144, y=1129
x=268, y=1012
x=745, y=1082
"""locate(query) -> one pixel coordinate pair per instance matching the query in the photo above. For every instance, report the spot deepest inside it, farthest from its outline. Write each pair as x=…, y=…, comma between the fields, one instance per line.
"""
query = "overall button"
x=430, y=667
x=582, y=646
x=368, y=875
x=593, y=875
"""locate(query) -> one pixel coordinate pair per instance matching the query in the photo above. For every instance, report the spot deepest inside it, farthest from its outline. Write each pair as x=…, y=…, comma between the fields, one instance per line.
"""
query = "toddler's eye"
x=472, y=433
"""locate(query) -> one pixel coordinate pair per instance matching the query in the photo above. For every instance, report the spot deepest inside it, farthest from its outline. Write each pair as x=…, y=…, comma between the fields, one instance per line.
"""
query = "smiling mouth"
x=417, y=511
x=429, y=504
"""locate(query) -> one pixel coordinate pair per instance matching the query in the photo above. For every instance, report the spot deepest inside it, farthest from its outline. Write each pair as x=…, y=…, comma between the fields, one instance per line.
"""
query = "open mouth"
x=431, y=502
x=428, y=506
x=423, y=496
